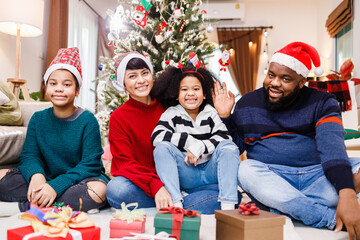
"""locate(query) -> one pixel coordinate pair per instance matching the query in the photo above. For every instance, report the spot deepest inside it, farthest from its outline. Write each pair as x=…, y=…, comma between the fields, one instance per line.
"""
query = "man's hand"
x=348, y=213
x=222, y=102
x=45, y=195
x=163, y=199
x=36, y=181
x=190, y=157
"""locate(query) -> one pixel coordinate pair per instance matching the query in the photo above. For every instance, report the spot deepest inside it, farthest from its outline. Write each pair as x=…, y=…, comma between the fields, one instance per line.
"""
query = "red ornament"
x=248, y=209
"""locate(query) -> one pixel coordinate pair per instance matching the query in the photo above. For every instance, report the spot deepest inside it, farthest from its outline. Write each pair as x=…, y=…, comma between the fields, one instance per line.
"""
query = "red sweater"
x=130, y=131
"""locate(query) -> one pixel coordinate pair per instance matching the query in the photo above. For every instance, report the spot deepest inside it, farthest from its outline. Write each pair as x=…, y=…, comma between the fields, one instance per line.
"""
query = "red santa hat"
x=298, y=57
x=120, y=68
x=66, y=58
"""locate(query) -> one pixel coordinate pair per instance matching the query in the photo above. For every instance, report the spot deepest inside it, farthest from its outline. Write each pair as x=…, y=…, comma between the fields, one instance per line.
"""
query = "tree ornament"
x=168, y=33
x=210, y=28
x=194, y=17
x=224, y=60
x=159, y=39
x=101, y=67
x=182, y=26
x=146, y=43
x=141, y=12
x=194, y=60
x=177, y=13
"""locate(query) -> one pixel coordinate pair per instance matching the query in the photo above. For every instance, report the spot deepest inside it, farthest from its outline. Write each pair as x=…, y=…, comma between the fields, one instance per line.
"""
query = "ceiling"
x=102, y=6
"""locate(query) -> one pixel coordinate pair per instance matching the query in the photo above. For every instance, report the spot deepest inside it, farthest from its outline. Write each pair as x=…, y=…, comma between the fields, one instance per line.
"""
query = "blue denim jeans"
x=204, y=198
x=304, y=193
x=177, y=176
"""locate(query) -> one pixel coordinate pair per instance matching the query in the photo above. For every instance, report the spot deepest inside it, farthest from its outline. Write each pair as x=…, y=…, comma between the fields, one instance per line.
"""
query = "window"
x=344, y=45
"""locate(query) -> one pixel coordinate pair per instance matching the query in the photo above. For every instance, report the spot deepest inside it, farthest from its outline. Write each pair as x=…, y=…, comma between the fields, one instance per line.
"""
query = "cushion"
x=3, y=98
x=10, y=113
x=11, y=141
x=351, y=134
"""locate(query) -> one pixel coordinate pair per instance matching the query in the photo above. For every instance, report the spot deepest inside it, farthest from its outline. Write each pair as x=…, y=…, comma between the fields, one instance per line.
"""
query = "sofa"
x=12, y=137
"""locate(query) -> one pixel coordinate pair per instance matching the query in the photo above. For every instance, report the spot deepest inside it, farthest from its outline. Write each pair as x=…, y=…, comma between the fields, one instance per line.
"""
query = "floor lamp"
x=21, y=18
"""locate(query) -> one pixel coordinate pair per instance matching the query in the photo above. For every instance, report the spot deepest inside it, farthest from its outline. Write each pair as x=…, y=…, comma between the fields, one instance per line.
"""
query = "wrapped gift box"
x=230, y=224
x=90, y=233
x=120, y=228
x=189, y=227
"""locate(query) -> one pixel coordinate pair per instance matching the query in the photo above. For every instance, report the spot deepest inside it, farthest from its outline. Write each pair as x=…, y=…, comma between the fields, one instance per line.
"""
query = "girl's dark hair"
x=137, y=63
x=167, y=83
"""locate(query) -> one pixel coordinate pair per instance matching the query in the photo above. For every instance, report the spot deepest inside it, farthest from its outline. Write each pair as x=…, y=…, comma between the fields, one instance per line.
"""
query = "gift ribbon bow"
x=129, y=215
x=159, y=236
x=55, y=222
x=248, y=209
x=178, y=216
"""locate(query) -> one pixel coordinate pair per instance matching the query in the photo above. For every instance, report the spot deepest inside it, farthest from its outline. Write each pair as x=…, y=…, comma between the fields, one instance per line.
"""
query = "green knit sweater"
x=65, y=151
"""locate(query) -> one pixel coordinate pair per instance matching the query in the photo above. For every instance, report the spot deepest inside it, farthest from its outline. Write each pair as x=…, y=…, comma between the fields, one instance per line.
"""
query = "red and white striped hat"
x=298, y=57
x=66, y=58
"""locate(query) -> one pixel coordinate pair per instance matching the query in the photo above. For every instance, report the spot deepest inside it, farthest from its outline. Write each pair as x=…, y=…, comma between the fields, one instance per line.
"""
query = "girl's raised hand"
x=190, y=158
x=222, y=102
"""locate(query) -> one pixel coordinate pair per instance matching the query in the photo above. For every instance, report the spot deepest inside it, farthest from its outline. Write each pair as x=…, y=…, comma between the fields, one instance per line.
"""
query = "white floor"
x=207, y=229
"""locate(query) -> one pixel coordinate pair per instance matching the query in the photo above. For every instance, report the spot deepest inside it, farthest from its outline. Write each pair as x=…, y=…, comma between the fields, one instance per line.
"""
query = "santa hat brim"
x=68, y=67
x=290, y=62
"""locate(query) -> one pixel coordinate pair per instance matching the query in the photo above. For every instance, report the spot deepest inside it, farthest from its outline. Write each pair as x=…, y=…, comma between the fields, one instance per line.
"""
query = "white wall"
x=32, y=56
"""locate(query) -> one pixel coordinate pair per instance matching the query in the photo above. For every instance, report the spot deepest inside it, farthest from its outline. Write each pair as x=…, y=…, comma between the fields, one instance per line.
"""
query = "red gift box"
x=90, y=233
x=120, y=228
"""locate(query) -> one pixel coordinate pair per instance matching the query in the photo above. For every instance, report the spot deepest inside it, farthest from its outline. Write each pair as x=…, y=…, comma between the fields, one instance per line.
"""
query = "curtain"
x=103, y=48
x=83, y=33
x=245, y=58
x=57, y=32
x=340, y=17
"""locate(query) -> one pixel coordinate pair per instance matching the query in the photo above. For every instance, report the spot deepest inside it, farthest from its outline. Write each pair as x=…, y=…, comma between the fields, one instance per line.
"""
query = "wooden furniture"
x=15, y=84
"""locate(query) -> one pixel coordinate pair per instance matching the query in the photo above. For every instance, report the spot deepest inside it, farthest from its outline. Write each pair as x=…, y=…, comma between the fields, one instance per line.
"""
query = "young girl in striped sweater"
x=193, y=146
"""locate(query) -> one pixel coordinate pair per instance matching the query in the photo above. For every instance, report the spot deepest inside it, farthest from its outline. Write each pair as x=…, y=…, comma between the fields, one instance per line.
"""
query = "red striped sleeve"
x=329, y=119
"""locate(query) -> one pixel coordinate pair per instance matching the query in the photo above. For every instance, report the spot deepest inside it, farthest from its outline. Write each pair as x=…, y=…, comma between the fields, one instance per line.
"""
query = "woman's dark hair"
x=137, y=63
x=167, y=83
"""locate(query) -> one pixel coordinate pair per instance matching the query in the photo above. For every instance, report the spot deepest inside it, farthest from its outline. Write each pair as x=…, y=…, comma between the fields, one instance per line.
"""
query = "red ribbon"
x=248, y=209
x=178, y=216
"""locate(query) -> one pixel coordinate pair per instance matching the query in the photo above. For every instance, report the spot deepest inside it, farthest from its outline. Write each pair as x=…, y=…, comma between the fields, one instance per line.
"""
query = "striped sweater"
x=308, y=132
x=199, y=137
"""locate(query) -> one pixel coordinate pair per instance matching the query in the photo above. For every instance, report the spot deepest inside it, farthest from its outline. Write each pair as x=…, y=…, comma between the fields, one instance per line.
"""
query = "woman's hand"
x=36, y=181
x=163, y=199
x=190, y=157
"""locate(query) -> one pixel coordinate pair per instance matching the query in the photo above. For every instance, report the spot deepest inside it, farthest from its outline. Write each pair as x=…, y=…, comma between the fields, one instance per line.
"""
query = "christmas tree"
x=168, y=32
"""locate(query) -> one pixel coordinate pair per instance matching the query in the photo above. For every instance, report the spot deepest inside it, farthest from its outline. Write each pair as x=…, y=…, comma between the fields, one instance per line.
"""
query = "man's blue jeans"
x=203, y=198
x=304, y=193
x=221, y=168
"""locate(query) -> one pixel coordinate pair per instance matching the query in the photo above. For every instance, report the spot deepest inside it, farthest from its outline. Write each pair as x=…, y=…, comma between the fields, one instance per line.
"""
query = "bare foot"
x=356, y=179
x=3, y=172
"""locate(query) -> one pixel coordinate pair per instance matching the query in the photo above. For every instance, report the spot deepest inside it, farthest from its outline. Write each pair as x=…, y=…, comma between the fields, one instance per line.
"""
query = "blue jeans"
x=304, y=193
x=177, y=176
x=121, y=189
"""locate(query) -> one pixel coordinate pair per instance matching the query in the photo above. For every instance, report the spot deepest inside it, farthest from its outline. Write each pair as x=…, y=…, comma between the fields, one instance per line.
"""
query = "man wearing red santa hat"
x=296, y=157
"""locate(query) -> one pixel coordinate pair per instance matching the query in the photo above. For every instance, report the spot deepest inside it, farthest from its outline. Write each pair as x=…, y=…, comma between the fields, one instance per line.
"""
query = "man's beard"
x=283, y=102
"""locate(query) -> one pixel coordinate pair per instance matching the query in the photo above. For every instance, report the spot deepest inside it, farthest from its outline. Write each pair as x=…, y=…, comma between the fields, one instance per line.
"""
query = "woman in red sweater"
x=135, y=178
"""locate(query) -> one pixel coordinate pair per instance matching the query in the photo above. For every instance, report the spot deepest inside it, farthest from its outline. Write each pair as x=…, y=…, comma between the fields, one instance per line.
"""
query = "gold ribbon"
x=58, y=223
x=129, y=215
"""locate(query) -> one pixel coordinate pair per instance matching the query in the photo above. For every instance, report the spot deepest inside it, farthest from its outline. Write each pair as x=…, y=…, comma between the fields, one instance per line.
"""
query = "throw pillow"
x=3, y=98
x=10, y=113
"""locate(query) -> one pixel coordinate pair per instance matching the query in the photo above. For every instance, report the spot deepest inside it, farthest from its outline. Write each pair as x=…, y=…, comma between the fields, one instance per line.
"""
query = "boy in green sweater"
x=61, y=157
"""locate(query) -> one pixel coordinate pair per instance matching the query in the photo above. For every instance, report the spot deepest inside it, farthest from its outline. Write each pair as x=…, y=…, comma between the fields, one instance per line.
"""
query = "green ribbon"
x=129, y=215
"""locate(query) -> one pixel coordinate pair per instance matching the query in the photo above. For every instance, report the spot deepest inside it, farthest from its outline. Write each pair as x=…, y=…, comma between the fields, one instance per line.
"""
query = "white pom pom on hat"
x=298, y=56
x=120, y=68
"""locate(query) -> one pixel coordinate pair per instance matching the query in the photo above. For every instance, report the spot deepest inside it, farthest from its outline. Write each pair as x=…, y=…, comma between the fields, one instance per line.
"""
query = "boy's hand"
x=36, y=181
x=190, y=157
x=45, y=195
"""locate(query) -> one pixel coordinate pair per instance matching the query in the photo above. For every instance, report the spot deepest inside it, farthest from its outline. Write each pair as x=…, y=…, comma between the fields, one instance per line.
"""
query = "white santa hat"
x=120, y=68
x=66, y=58
x=298, y=57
